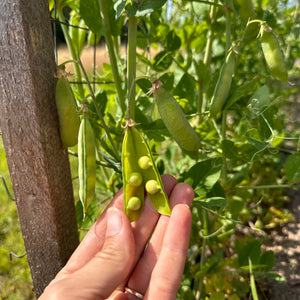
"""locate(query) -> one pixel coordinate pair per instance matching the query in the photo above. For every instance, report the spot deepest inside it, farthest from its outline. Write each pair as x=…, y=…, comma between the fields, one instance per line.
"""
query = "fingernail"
x=114, y=222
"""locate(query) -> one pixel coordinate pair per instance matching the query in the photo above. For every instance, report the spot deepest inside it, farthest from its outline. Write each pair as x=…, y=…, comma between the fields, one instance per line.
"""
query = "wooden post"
x=38, y=165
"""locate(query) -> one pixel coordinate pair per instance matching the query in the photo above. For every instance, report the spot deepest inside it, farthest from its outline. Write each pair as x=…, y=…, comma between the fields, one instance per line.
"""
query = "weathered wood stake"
x=38, y=165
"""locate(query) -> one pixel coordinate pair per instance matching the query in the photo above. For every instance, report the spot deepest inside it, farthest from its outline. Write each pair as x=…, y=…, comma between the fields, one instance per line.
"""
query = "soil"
x=285, y=243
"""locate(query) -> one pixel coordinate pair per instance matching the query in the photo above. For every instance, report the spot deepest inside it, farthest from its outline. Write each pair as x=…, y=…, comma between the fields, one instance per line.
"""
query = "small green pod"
x=69, y=120
x=86, y=163
x=246, y=10
x=73, y=27
x=93, y=39
x=77, y=34
x=223, y=85
x=134, y=203
x=152, y=187
x=82, y=33
x=174, y=119
x=272, y=53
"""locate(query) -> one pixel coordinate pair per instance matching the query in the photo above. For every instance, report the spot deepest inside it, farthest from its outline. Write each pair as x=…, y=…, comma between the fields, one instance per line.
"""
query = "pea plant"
x=201, y=93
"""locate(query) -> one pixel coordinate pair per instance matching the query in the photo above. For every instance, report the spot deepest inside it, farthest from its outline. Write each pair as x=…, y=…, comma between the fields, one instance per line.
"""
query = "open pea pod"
x=139, y=172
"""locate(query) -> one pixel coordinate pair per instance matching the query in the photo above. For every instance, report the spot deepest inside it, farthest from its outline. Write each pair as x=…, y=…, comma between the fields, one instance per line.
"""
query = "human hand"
x=115, y=259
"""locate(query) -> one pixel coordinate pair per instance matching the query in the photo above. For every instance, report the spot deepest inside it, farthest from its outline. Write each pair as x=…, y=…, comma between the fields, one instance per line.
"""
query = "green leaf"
x=235, y=205
x=241, y=92
x=214, y=202
x=217, y=296
x=119, y=6
x=162, y=61
x=253, y=138
x=148, y=6
x=90, y=13
x=186, y=87
x=156, y=131
x=204, y=174
x=210, y=264
x=101, y=98
x=229, y=150
x=250, y=250
x=172, y=42
x=259, y=100
x=168, y=80
x=267, y=260
x=143, y=59
x=144, y=84
x=292, y=167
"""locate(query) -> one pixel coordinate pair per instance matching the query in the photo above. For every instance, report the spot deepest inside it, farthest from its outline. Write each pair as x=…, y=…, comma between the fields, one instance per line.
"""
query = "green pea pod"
x=86, y=163
x=246, y=9
x=81, y=37
x=223, y=85
x=93, y=38
x=77, y=34
x=174, y=119
x=69, y=120
x=73, y=28
x=134, y=148
x=272, y=53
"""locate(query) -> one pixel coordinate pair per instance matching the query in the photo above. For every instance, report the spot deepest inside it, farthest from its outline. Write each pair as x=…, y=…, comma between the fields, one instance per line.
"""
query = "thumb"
x=111, y=266
x=106, y=270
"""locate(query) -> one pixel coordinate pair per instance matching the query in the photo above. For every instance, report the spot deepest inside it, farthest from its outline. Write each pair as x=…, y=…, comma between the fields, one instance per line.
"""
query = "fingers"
x=182, y=193
x=144, y=226
x=167, y=273
x=94, y=239
x=105, y=271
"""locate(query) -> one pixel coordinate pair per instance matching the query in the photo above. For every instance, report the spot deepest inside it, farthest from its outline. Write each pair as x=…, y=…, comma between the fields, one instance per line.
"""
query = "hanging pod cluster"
x=223, y=84
x=68, y=116
x=272, y=52
x=86, y=162
x=174, y=118
x=139, y=173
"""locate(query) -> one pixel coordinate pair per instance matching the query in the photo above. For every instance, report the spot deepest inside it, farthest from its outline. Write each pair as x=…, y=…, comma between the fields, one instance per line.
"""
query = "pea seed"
x=134, y=203
x=144, y=162
x=135, y=179
x=152, y=187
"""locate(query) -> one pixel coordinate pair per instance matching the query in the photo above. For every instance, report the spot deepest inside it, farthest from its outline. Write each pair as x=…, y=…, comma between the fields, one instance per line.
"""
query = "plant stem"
x=209, y=42
x=198, y=294
x=207, y=2
x=228, y=25
x=131, y=66
x=223, y=137
x=262, y=187
x=207, y=56
x=112, y=55
x=202, y=260
x=71, y=49
x=106, y=129
x=252, y=281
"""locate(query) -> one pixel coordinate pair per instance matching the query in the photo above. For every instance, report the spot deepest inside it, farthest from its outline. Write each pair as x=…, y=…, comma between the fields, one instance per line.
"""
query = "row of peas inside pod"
x=139, y=174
